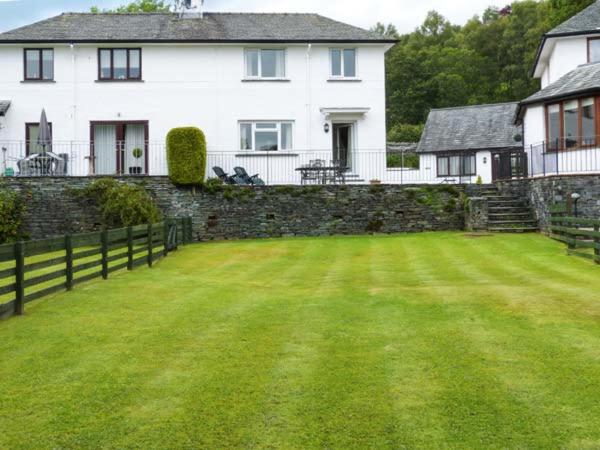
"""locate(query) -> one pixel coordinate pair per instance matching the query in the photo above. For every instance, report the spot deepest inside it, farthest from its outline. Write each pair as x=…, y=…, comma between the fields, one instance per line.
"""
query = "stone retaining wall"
x=238, y=213
x=544, y=192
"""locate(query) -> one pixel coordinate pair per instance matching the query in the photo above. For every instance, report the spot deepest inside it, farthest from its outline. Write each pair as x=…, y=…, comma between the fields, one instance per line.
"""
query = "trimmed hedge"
x=186, y=155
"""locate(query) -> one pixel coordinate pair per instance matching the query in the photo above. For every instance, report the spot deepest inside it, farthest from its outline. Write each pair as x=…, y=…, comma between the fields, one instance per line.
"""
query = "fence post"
x=129, y=248
x=150, y=257
x=104, y=250
x=166, y=237
x=19, y=279
x=190, y=226
x=597, y=242
x=69, y=261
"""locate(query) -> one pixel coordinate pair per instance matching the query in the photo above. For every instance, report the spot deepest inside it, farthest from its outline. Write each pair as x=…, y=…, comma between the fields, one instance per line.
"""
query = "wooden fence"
x=33, y=269
x=581, y=235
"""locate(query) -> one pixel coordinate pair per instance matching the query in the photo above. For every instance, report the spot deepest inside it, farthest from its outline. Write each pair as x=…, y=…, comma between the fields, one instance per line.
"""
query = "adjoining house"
x=562, y=121
x=459, y=145
x=270, y=91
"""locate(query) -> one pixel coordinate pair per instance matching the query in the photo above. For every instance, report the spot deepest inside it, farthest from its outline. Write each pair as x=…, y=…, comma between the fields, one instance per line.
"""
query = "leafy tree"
x=561, y=10
x=387, y=31
x=138, y=6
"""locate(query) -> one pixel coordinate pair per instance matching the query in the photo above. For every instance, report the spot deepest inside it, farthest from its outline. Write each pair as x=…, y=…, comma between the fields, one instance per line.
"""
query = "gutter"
x=197, y=41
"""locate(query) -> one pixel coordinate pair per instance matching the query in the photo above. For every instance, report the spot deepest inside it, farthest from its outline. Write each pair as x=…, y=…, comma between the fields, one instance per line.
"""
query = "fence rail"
x=34, y=269
x=581, y=235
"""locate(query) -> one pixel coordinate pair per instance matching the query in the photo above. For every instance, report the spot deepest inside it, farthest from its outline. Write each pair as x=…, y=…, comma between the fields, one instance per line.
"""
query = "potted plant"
x=137, y=169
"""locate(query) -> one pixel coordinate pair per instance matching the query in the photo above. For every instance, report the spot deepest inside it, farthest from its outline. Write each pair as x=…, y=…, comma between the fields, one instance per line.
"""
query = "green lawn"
x=434, y=340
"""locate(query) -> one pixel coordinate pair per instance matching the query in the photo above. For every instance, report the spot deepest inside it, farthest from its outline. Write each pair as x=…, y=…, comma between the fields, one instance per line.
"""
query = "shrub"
x=403, y=132
x=122, y=204
x=12, y=209
x=213, y=185
x=186, y=155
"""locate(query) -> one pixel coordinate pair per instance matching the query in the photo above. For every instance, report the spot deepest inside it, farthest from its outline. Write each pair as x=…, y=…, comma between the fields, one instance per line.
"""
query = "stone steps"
x=509, y=213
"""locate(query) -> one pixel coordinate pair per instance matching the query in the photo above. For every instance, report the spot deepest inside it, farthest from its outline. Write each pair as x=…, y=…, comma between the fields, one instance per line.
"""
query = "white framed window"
x=343, y=62
x=264, y=63
x=266, y=136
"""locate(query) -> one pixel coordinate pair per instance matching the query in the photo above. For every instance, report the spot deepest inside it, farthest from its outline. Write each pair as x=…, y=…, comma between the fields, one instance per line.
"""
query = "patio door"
x=342, y=143
x=120, y=148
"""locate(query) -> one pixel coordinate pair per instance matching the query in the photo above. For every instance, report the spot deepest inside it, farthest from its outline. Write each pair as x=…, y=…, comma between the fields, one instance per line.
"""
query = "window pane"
x=251, y=63
x=588, y=122
x=571, y=123
x=553, y=127
x=336, y=63
x=594, y=50
x=266, y=140
x=246, y=136
x=268, y=60
x=442, y=163
x=349, y=63
x=33, y=132
x=48, y=64
x=266, y=125
x=32, y=63
x=468, y=165
x=134, y=64
x=120, y=64
x=455, y=165
x=286, y=136
x=104, y=63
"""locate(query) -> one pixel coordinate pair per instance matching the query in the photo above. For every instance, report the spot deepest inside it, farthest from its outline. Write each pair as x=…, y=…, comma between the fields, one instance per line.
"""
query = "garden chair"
x=254, y=180
x=219, y=172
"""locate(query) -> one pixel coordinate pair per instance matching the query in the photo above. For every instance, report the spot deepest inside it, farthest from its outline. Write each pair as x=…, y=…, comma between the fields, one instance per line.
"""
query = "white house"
x=562, y=121
x=464, y=144
x=270, y=91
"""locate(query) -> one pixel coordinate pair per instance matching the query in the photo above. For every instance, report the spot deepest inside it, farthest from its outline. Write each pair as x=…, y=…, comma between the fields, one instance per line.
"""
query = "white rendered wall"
x=200, y=86
x=565, y=55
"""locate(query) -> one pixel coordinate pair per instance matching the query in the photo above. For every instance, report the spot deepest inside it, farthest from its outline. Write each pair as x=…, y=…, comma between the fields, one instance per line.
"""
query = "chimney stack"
x=192, y=9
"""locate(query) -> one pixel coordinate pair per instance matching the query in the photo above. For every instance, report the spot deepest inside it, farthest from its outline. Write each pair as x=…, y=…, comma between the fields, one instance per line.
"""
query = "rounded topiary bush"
x=186, y=155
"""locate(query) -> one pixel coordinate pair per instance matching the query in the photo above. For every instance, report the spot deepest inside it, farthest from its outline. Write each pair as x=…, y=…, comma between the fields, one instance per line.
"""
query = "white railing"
x=80, y=158
x=565, y=157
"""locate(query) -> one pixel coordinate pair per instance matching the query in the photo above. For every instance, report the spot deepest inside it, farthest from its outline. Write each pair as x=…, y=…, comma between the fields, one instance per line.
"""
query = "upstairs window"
x=572, y=124
x=594, y=50
x=265, y=63
x=119, y=64
x=39, y=64
x=343, y=63
x=266, y=136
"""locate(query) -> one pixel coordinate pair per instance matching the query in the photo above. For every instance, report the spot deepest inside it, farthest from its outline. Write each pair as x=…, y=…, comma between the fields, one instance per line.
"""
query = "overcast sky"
x=405, y=14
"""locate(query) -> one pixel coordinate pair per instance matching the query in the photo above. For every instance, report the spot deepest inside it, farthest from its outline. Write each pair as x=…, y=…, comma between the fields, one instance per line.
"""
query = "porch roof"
x=4, y=105
x=471, y=128
x=344, y=112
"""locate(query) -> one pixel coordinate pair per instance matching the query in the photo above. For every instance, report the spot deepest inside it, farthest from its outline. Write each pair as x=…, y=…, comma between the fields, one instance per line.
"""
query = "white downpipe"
x=308, y=98
x=74, y=92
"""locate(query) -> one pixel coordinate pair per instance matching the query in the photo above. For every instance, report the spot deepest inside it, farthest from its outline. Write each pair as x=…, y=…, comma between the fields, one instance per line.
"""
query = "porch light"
x=326, y=128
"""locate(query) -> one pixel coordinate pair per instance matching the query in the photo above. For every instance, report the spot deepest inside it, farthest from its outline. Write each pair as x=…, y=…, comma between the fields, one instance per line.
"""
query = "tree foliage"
x=12, y=209
x=138, y=6
x=488, y=60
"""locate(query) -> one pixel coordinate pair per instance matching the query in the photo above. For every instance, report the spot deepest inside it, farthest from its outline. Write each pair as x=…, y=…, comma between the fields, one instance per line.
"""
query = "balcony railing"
x=570, y=155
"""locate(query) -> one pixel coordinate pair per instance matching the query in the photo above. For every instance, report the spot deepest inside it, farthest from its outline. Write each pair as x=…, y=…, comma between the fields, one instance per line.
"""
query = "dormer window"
x=39, y=64
x=265, y=63
x=594, y=50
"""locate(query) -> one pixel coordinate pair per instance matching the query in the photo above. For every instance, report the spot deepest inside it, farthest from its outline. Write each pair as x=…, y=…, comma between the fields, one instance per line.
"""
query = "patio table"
x=321, y=173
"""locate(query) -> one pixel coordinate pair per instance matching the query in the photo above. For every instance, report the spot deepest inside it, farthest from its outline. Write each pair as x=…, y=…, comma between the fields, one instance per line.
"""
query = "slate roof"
x=586, y=21
x=4, y=105
x=477, y=127
x=584, y=79
x=170, y=27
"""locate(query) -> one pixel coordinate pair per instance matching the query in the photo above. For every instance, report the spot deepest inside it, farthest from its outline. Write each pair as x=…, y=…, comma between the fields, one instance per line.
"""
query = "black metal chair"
x=254, y=180
x=219, y=172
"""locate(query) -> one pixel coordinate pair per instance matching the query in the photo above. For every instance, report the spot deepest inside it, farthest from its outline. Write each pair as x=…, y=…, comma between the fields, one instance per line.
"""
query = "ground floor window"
x=456, y=165
x=119, y=148
x=32, y=131
x=266, y=136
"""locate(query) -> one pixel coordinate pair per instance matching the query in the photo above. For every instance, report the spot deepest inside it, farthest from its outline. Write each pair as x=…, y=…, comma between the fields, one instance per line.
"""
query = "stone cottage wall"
x=239, y=213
